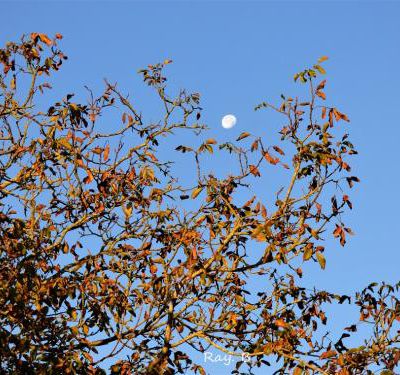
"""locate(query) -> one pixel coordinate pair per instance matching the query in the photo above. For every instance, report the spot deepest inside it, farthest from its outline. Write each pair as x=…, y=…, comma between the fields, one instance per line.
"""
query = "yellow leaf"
x=196, y=192
x=12, y=84
x=321, y=260
x=320, y=69
x=85, y=329
x=308, y=252
x=64, y=142
x=127, y=211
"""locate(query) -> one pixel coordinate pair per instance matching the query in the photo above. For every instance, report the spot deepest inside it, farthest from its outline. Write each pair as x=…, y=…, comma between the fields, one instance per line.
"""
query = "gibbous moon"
x=228, y=121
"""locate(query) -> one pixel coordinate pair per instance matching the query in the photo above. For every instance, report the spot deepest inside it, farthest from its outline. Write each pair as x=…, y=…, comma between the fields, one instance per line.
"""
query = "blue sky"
x=237, y=54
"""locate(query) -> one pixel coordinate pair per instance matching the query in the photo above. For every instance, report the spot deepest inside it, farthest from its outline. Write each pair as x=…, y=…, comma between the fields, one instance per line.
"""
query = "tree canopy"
x=103, y=244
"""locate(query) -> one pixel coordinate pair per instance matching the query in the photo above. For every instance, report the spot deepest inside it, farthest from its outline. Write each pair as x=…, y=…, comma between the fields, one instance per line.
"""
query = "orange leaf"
x=323, y=114
x=106, y=153
x=337, y=231
x=263, y=211
x=254, y=170
x=322, y=59
x=321, y=95
x=328, y=354
x=97, y=150
x=340, y=116
x=45, y=39
x=281, y=323
x=89, y=178
x=278, y=150
x=242, y=136
x=270, y=159
x=211, y=141
x=321, y=85
x=254, y=145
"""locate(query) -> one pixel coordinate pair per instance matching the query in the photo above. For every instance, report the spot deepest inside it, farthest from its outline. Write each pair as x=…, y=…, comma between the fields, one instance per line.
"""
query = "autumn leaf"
x=321, y=85
x=308, y=252
x=254, y=170
x=196, y=192
x=242, y=136
x=127, y=211
x=278, y=150
x=322, y=59
x=337, y=231
x=97, y=150
x=321, y=260
x=254, y=145
x=320, y=69
x=340, y=116
x=280, y=323
x=270, y=159
x=89, y=178
x=45, y=39
x=106, y=153
x=328, y=354
x=211, y=141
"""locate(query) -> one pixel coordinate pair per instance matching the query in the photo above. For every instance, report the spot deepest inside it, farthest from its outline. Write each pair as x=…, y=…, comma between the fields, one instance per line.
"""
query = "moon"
x=228, y=121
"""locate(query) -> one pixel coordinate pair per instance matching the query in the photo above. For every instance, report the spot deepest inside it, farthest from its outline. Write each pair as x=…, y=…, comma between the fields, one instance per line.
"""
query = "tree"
x=104, y=246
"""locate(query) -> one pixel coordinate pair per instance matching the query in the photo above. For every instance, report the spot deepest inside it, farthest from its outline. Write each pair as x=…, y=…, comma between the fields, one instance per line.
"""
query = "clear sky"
x=237, y=54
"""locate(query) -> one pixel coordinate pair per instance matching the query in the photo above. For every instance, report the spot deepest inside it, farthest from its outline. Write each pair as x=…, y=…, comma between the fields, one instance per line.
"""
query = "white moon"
x=228, y=121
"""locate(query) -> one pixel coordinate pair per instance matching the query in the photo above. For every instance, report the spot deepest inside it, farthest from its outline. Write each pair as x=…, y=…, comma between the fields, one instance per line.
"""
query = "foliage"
x=97, y=249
